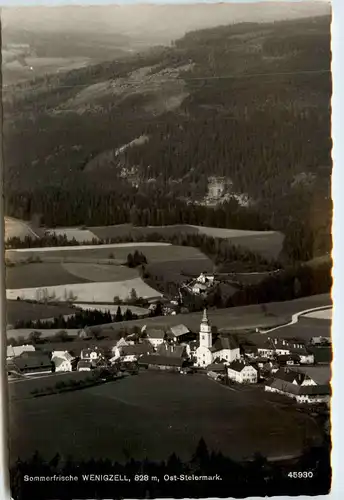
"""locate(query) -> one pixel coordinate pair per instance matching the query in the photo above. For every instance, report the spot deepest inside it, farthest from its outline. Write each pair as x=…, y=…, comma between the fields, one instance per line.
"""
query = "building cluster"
x=276, y=363
x=204, y=284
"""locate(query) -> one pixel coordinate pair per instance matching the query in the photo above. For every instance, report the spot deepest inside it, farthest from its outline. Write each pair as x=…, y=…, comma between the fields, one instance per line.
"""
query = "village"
x=289, y=367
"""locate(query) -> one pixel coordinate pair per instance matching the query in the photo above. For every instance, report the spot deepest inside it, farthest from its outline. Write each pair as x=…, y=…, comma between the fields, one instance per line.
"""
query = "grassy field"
x=99, y=272
x=87, y=292
x=326, y=314
x=153, y=251
x=178, y=271
x=155, y=414
x=18, y=228
x=268, y=243
x=239, y=319
x=19, y=310
x=39, y=275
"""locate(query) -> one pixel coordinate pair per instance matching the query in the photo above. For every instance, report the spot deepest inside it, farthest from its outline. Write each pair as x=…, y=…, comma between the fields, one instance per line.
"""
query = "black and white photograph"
x=168, y=215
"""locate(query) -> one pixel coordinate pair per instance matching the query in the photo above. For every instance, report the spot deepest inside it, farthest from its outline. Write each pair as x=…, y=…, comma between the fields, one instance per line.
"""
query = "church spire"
x=205, y=316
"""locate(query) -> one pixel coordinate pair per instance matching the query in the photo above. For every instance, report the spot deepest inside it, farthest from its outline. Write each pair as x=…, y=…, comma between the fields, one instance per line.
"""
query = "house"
x=13, y=351
x=318, y=341
x=177, y=351
x=32, y=363
x=179, y=333
x=206, y=279
x=280, y=346
x=199, y=288
x=299, y=386
x=242, y=372
x=131, y=353
x=265, y=348
x=306, y=357
x=301, y=393
x=84, y=365
x=92, y=354
x=216, y=370
x=157, y=362
x=63, y=361
x=156, y=336
x=288, y=359
x=224, y=348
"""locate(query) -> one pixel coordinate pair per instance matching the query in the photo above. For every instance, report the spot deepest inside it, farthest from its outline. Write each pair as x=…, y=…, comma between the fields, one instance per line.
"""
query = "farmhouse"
x=288, y=359
x=131, y=353
x=242, y=372
x=13, y=351
x=206, y=278
x=299, y=386
x=154, y=335
x=199, y=288
x=318, y=341
x=216, y=370
x=176, y=351
x=224, y=348
x=92, y=354
x=63, y=361
x=32, y=363
x=155, y=361
x=179, y=333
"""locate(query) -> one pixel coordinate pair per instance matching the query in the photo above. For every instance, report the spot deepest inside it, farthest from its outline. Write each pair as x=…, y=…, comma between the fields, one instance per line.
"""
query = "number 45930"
x=301, y=475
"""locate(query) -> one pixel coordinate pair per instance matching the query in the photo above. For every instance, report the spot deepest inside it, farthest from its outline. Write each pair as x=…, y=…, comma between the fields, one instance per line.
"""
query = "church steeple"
x=205, y=317
x=205, y=334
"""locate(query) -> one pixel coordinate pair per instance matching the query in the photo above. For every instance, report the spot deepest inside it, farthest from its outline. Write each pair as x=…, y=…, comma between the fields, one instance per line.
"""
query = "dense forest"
x=253, y=107
x=255, y=478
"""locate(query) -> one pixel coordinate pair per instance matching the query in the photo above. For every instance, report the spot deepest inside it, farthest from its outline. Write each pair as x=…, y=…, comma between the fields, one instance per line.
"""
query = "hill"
x=137, y=140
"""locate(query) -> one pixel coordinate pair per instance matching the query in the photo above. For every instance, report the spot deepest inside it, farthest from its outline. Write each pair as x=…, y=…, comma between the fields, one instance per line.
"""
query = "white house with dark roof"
x=178, y=332
x=224, y=349
x=299, y=386
x=94, y=355
x=17, y=350
x=131, y=353
x=156, y=336
x=242, y=372
x=63, y=361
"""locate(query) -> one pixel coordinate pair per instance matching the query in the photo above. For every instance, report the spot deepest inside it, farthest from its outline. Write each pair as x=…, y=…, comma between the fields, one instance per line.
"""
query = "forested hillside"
x=136, y=140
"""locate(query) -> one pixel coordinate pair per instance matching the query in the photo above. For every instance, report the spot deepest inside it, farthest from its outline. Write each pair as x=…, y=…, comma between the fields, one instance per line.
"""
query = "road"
x=295, y=318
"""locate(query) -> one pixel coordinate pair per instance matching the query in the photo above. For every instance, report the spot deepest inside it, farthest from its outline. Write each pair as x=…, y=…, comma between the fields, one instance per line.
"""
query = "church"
x=225, y=349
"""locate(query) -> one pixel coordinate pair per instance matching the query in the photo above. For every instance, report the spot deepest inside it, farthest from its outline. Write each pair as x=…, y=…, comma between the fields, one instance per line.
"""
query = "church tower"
x=205, y=335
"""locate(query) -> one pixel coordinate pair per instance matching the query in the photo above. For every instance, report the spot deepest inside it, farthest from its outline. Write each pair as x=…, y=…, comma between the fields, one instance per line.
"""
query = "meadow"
x=20, y=310
x=96, y=274
x=103, y=292
x=18, y=228
x=153, y=414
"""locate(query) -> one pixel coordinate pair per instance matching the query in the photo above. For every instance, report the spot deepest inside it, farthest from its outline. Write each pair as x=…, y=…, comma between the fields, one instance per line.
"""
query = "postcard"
x=168, y=211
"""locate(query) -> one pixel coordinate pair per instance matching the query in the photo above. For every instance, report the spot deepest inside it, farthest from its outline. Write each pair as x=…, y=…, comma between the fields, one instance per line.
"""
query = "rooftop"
x=156, y=359
x=228, y=342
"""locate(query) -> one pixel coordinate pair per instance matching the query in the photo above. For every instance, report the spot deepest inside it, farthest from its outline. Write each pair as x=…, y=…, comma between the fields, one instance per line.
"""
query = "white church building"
x=225, y=349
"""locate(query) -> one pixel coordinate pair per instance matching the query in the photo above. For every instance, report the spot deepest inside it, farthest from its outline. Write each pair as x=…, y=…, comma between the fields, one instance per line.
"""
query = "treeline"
x=144, y=206
x=80, y=319
x=292, y=283
x=255, y=478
